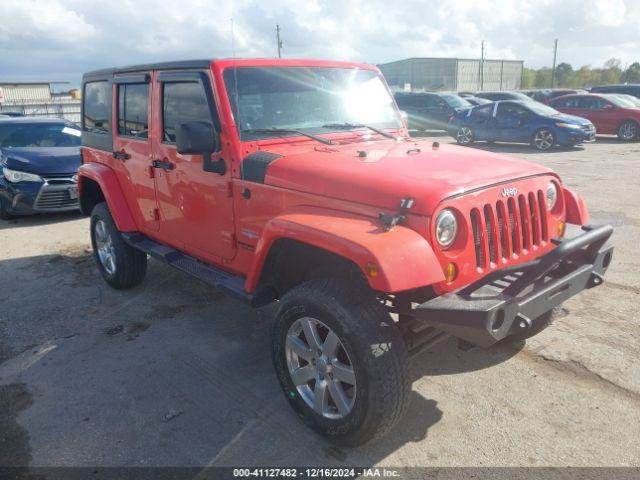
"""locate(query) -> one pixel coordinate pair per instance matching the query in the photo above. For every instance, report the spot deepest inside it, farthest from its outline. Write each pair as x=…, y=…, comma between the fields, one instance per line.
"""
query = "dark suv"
x=430, y=111
x=631, y=89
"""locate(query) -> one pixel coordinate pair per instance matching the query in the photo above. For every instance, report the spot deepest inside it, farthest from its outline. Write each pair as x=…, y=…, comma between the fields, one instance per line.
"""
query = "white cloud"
x=62, y=38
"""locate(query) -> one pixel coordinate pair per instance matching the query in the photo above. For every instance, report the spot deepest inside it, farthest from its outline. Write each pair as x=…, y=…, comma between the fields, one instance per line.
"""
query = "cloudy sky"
x=59, y=39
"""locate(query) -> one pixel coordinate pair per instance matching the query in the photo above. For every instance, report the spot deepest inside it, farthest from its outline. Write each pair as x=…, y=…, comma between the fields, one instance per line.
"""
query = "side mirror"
x=199, y=138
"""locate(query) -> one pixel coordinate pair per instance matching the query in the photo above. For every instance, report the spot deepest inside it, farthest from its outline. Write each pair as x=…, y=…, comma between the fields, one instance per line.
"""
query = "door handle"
x=121, y=155
x=163, y=165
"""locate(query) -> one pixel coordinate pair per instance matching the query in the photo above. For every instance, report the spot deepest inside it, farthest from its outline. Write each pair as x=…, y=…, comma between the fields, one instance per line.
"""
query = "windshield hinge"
x=390, y=221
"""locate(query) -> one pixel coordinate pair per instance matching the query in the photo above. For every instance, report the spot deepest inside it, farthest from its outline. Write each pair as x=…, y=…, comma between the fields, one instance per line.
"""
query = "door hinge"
x=156, y=214
x=151, y=171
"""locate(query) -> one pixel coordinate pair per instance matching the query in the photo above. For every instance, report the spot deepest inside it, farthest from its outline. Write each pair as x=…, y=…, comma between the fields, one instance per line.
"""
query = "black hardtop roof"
x=37, y=120
x=179, y=64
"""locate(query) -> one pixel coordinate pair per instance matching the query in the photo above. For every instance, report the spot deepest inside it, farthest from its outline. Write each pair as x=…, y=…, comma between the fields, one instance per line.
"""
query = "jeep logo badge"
x=509, y=192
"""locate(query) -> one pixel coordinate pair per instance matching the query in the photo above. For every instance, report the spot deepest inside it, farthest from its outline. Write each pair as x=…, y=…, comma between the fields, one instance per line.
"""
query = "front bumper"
x=573, y=136
x=25, y=198
x=508, y=300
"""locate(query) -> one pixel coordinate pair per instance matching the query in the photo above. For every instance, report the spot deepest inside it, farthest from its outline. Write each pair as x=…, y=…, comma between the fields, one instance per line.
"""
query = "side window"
x=484, y=111
x=97, y=107
x=183, y=102
x=572, y=102
x=133, y=110
x=588, y=103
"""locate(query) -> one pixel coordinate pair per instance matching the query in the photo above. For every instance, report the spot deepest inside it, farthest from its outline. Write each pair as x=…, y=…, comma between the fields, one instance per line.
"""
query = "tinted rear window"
x=97, y=103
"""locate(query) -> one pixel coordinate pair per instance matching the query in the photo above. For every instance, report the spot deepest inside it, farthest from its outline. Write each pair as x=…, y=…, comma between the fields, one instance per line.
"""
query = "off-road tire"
x=537, y=325
x=625, y=131
x=130, y=264
x=375, y=347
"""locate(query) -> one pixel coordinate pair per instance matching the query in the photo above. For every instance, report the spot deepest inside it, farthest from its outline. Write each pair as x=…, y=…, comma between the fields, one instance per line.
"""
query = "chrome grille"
x=505, y=229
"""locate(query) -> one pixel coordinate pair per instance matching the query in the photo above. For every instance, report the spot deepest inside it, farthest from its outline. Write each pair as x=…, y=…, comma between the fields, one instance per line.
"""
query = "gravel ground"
x=173, y=374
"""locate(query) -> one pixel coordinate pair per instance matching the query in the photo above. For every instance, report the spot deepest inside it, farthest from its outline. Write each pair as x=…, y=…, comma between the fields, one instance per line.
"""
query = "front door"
x=511, y=122
x=196, y=206
x=132, y=148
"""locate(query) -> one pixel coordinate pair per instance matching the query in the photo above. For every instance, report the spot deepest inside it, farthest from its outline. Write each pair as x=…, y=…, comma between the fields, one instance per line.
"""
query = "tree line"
x=612, y=72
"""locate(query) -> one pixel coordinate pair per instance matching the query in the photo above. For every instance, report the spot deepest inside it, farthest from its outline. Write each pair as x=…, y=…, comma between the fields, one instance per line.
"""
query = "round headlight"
x=446, y=228
x=552, y=195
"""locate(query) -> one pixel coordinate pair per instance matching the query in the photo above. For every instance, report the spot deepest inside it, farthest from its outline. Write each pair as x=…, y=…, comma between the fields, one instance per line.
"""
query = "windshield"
x=311, y=99
x=39, y=135
x=456, y=102
x=542, y=109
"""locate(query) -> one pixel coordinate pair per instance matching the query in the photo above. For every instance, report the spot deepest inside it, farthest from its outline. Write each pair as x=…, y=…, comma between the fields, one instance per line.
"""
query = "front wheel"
x=4, y=214
x=543, y=139
x=464, y=136
x=340, y=360
x=121, y=265
x=628, y=130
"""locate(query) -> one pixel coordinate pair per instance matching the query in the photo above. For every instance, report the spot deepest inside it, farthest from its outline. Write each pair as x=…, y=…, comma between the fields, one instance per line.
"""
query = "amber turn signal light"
x=450, y=272
x=560, y=229
x=371, y=269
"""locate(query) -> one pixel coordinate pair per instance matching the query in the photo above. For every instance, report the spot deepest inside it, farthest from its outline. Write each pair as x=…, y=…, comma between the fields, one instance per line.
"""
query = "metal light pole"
x=481, y=73
x=279, y=41
x=553, y=71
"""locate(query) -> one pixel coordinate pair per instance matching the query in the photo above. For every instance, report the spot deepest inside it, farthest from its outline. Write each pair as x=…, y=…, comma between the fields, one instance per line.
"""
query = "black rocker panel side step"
x=219, y=279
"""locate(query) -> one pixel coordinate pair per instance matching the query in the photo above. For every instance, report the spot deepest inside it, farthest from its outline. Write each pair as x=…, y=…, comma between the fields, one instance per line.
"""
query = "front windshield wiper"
x=288, y=130
x=350, y=126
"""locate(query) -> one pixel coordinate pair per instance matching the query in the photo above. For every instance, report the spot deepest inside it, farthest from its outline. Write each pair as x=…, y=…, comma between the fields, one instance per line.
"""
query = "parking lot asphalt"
x=172, y=373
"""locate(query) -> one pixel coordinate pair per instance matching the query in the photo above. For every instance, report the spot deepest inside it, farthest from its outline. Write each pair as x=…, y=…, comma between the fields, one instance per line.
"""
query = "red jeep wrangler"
x=295, y=181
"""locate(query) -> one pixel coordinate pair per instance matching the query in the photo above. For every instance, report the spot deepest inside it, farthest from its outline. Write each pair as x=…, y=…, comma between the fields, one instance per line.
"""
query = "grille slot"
x=509, y=227
x=491, y=240
x=477, y=239
x=502, y=230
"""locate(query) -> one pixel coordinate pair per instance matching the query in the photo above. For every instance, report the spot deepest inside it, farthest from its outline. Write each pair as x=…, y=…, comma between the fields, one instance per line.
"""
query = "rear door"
x=196, y=206
x=132, y=147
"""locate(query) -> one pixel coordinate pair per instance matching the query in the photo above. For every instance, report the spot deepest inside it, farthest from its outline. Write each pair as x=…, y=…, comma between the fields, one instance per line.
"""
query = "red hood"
x=392, y=170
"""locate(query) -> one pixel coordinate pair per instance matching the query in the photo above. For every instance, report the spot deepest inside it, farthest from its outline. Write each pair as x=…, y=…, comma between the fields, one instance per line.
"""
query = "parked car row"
x=563, y=117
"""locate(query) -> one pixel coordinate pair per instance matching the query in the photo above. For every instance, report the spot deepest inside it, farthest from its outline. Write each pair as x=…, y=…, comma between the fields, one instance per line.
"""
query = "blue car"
x=39, y=160
x=521, y=122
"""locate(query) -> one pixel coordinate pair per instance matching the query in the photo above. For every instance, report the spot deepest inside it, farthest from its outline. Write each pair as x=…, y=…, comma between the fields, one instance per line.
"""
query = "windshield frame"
x=394, y=125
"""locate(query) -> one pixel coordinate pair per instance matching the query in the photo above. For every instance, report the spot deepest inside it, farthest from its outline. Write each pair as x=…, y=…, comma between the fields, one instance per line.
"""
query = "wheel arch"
x=349, y=242
x=98, y=183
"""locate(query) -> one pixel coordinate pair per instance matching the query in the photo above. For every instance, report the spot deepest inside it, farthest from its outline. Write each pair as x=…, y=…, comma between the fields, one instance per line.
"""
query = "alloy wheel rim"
x=320, y=368
x=464, y=135
x=104, y=246
x=543, y=140
x=628, y=131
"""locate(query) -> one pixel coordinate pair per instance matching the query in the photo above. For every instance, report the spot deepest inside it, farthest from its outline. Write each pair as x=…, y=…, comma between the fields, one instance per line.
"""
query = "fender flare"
x=106, y=178
x=404, y=258
x=575, y=207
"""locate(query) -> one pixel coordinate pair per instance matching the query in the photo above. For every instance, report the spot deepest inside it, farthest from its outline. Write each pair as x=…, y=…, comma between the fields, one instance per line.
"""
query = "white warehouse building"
x=453, y=74
x=37, y=99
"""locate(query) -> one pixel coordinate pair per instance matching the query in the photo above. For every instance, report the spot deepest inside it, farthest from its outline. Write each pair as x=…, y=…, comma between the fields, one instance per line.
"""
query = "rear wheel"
x=121, y=265
x=464, y=136
x=543, y=139
x=340, y=360
x=628, y=130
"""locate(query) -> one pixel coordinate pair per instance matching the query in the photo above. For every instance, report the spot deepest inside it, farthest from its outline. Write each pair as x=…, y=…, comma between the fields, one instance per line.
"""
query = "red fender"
x=576, y=209
x=404, y=258
x=108, y=181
